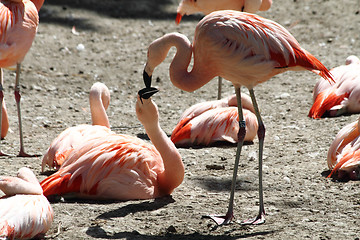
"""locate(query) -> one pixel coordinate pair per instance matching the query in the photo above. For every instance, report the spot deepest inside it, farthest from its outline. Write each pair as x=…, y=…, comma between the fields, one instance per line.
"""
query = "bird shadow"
x=170, y=233
x=61, y=11
x=148, y=206
x=218, y=144
x=336, y=178
x=222, y=185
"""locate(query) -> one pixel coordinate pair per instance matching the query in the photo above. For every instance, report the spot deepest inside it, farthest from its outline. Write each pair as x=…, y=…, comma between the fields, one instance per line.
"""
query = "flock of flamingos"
x=229, y=42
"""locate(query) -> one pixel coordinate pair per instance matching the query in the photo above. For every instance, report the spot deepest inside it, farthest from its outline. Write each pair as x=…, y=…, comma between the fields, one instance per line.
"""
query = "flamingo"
x=188, y=7
x=243, y=48
x=208, y=122
x=344, y=153
x=25, y=212
x=121, y=167
x=341, y=97
x=65, y=142
x=19, y=22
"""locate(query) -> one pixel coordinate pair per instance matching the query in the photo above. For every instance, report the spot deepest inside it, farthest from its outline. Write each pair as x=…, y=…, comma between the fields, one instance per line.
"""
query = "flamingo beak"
x=147, y=92
x=178, y=18
x=147, y=79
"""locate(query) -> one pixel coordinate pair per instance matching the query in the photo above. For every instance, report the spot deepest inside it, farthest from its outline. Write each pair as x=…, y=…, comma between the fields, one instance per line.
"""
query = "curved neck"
x=99, y=102
x=179, y=75
x=174, y=170
x=38, y=4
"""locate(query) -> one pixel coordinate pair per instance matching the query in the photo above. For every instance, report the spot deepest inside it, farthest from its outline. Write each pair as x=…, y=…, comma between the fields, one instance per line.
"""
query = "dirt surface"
x=111, y=47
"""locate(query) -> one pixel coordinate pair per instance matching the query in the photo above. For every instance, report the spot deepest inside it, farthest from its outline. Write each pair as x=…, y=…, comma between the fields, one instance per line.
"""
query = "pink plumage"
x=188, y=7
x=120, y=166
x=341, y=97
x=24, y=213
x=208, y=122
x=344, y=153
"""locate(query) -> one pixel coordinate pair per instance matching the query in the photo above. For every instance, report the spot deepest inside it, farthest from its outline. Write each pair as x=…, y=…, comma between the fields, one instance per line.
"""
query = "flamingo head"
x=148, y=91
x=188, y=7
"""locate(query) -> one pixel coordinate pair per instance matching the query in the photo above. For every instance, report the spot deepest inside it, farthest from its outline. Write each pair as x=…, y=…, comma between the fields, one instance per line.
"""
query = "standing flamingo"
x=341, y=97
x=243, y=48
x=208, y=122
x=19, y=22
x=25, y=212
x=344, y=153
x=120, y=166
x=188, y=7
x=64, y=144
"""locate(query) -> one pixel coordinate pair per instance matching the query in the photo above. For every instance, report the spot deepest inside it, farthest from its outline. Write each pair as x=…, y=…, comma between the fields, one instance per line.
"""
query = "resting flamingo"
x=208, y=122
x=122, y=167
x=64, y=144
x=24, y=213
x=344, y=153
x=243, y=48
x=341, y=97
x=19, y=22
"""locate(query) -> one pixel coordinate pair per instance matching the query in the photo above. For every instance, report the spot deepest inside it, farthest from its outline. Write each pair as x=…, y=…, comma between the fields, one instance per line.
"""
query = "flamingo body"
x=25, y=213
x=120, y=166
x=344, y=153
x=208, y=122
x=341, y=97
x=66, y=142
x=188, y=7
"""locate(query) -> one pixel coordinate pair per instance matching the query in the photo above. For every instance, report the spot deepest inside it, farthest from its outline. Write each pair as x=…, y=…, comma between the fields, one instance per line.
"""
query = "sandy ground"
x=300, y=202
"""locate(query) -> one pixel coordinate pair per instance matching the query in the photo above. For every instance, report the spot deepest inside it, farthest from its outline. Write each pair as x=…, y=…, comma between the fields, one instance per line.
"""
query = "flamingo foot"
x=259, y=219
x=22, y=153
x=4, y=154
x=221, y=220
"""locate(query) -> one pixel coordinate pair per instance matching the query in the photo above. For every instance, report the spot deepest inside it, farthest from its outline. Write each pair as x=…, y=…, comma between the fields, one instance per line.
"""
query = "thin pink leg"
x=260, y=218
x=22, y=152
x=226, y=219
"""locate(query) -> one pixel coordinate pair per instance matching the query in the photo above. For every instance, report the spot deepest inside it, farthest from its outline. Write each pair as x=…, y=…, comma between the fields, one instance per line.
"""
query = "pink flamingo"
x=243, y=48
x=208, y=122
x=341, y=97
x=25, y=212
x=188, y=7
x=120, y=166
x=64, y=144
x=19, y=22
x=344, y=153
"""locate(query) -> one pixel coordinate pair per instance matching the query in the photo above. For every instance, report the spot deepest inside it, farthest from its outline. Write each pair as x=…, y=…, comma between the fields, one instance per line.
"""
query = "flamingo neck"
x=179, y=74
x=98, y=106
x=38, y=4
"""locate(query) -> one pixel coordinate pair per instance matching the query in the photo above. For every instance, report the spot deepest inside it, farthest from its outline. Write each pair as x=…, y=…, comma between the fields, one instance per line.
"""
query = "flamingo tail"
x=343, y=160
x=307, y=60
x=58, y=185
x=181, y=131
x=324, y=102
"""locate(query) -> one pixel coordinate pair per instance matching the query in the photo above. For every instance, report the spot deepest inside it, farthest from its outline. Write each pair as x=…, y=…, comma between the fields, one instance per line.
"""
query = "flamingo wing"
x=263, y=47
x=25, y=216
x=219, y=124
x=116, y=167
x=61, y=147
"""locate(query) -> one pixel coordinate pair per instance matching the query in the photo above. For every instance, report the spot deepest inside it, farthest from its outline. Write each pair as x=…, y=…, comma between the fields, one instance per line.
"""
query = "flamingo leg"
x=221, y=220
x=1, y=102
x=260, y=218
x=219, y=87
x=22, y=152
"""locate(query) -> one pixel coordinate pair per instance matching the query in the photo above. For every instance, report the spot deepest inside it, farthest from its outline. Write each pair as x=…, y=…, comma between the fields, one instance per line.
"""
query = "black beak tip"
x=147, y=79
x=147, y=92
